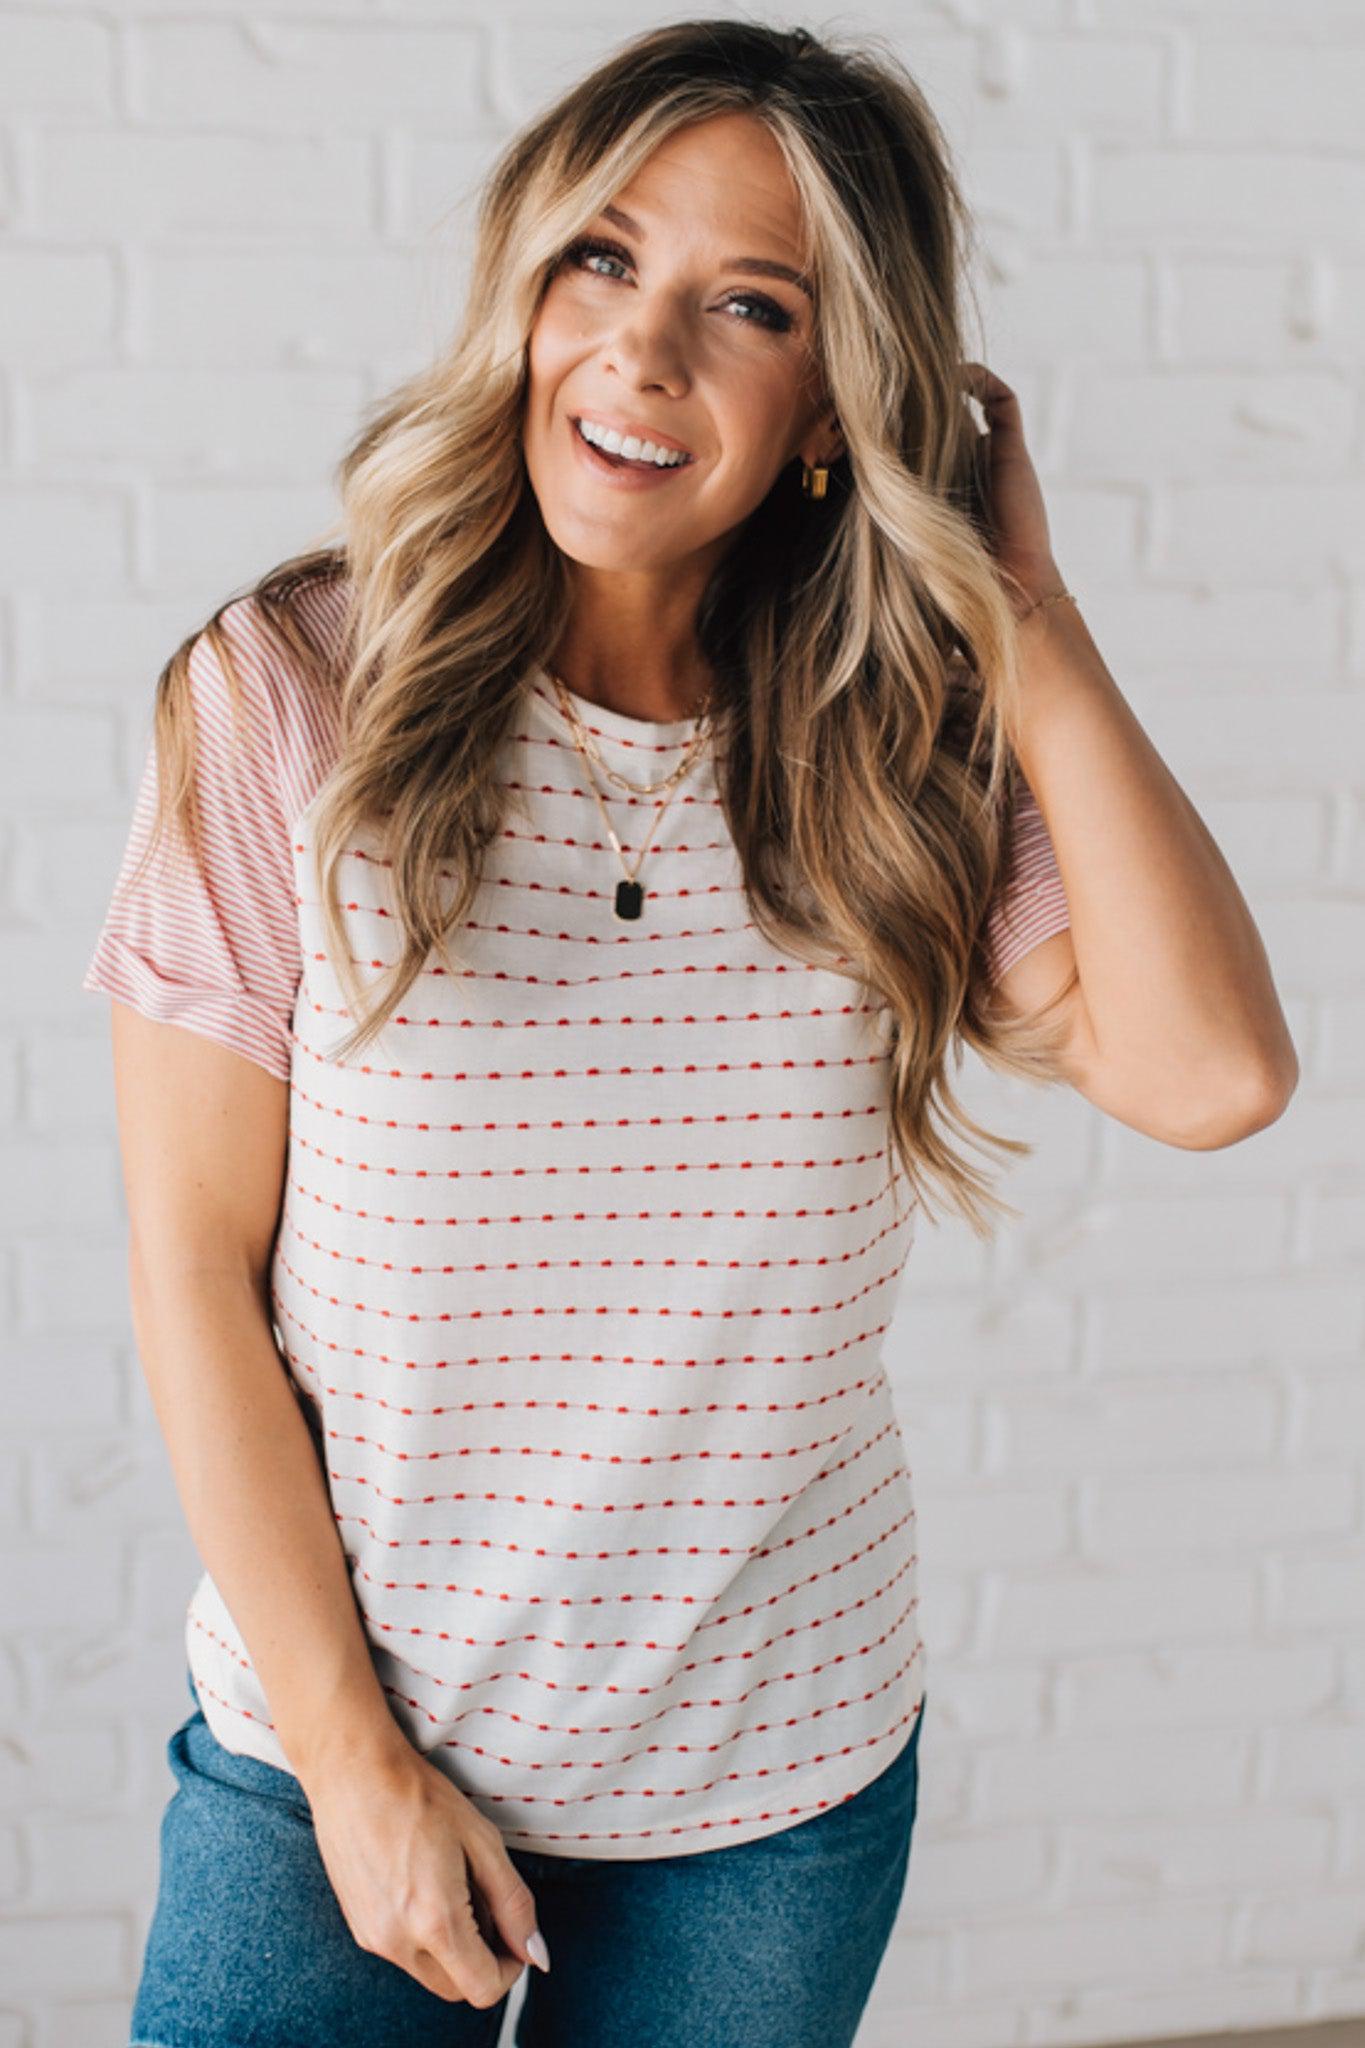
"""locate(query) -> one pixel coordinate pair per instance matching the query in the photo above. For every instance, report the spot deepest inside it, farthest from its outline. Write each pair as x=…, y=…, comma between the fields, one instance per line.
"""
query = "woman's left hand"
x=1019, y=531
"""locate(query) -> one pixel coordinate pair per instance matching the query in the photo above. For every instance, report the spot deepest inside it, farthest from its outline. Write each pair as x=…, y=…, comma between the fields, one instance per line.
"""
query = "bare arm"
x=203, y=1137
x=1177, y=1028
x=422, y=1877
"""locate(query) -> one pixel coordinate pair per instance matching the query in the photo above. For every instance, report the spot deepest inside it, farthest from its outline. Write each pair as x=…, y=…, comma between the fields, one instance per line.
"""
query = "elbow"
x=1261, y=1100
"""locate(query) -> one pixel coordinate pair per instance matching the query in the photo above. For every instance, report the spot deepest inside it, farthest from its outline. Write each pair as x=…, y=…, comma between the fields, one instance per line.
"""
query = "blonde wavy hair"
x=863, y=649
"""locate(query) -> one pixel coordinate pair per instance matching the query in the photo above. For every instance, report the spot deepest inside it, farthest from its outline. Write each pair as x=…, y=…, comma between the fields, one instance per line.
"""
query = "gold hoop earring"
x=814, y=481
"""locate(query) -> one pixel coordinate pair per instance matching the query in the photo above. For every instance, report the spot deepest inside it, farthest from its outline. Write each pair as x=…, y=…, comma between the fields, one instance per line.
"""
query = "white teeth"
x=631, y=448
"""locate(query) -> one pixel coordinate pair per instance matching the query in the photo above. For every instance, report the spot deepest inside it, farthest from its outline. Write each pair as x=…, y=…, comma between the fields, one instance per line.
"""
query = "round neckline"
x=615, y=725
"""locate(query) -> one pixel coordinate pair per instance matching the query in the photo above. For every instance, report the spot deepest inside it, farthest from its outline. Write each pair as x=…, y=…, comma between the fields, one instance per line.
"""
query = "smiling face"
x=659, y=319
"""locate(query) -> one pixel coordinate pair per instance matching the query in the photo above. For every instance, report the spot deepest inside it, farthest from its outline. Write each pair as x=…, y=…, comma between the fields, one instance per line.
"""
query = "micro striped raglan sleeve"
x=1030, y=903
x=215, y=952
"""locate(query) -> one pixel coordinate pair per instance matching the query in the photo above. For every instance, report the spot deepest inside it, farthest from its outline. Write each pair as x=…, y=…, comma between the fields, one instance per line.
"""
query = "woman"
x=693, y=666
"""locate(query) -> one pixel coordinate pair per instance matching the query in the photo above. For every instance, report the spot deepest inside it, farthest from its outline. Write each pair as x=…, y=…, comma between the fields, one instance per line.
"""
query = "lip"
x=641, y=433
x=633, y=479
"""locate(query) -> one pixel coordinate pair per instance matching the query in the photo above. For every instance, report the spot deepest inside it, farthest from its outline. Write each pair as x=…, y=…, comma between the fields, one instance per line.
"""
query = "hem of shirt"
x=840, y=1779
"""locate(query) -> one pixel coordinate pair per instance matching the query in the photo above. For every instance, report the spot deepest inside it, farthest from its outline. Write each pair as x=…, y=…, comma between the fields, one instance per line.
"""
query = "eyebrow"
x=756, y=266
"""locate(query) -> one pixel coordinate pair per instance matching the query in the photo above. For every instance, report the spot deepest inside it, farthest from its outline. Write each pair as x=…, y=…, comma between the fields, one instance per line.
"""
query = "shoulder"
x=271, y=672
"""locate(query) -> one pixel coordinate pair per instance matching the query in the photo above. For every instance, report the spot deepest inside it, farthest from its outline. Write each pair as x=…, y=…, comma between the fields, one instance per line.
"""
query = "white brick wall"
x=1136, y=1421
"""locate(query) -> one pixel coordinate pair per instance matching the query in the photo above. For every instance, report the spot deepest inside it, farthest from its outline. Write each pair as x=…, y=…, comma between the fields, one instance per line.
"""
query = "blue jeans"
x=771, y=1943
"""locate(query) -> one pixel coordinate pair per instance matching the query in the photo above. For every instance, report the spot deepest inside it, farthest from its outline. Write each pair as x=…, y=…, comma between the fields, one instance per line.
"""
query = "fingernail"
x=537, y=1951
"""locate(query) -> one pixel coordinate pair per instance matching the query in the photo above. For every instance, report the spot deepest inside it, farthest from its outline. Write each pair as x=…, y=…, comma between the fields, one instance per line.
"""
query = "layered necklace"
x=630, y=894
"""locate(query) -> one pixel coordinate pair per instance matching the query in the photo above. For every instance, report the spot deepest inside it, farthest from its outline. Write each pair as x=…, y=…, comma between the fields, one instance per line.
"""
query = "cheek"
x=753, y=416
x=541, y=351
x=564, y=324
x=561, y=344
x=548, y=364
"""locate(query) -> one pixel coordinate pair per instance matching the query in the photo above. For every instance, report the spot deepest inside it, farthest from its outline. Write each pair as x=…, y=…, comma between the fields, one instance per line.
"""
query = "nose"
x=645, y=349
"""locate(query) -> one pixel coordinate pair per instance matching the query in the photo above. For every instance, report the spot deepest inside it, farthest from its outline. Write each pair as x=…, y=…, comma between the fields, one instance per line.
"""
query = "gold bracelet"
x=1056, y=597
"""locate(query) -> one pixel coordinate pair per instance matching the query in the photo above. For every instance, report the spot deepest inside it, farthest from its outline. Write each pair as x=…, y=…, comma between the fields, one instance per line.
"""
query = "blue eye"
x=775, y=317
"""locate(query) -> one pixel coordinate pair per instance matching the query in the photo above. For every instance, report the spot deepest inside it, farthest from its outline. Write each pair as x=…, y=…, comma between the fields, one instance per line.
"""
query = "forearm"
x=1175, y=976
x=255, y=1497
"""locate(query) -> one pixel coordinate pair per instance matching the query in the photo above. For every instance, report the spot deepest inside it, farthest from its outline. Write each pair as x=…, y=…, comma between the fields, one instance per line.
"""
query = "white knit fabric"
x=582, y=1277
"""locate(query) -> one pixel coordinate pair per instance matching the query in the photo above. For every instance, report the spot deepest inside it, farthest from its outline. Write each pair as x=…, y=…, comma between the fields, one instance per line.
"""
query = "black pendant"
x=629, y=897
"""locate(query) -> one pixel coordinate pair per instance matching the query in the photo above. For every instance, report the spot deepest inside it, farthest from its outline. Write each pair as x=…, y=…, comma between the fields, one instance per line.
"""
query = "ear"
x=828, y=443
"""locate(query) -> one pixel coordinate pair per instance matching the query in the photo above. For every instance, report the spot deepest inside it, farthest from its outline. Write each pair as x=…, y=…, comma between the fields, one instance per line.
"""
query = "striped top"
x=581, y=1278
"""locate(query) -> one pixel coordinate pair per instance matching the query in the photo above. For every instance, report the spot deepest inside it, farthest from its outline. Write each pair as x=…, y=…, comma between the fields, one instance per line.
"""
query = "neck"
x=630, y=646
x=660, y=702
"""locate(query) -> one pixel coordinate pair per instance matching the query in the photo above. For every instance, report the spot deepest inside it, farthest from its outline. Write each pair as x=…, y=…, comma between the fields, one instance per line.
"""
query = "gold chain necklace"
x=629, y=893
x=585, y=744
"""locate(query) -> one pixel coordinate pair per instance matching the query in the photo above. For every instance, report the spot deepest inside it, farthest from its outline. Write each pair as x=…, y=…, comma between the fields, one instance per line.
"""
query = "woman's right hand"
x=422, y=1877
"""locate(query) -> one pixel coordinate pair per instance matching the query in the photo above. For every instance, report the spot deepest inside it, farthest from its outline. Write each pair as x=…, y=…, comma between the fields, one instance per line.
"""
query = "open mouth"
x=623, y=465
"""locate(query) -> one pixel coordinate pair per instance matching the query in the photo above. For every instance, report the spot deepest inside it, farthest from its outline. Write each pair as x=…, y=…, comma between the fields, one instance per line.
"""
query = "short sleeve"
x=217, y=952
x=1030, y=903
